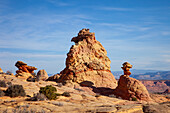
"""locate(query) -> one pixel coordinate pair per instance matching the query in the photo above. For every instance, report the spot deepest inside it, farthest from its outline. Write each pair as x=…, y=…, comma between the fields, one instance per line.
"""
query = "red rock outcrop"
x=24, y=70
x=87, y=61
x=129, y=88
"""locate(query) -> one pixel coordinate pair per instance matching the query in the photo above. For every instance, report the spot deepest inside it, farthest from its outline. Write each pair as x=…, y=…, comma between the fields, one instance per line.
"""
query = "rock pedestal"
x=42, y=75
x=129, y=88
x=87, y=61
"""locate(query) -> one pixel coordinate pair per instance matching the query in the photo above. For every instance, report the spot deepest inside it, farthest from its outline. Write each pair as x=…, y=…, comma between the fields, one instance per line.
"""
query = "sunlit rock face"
x=24, y=70
x=130, y=88
x=87, y=61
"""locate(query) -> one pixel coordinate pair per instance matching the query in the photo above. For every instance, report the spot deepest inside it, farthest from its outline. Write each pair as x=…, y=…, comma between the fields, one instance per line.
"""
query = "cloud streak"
x=105, y=8
x=58, y=3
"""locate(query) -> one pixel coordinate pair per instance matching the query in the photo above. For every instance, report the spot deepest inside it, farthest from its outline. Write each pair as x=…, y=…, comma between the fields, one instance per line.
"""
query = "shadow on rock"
x=99, y=90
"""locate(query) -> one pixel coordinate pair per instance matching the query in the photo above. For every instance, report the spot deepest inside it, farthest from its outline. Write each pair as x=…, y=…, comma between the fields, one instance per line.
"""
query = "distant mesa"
x=130, y=88
x=154, y=86
x=87, y=61
x=24, y=70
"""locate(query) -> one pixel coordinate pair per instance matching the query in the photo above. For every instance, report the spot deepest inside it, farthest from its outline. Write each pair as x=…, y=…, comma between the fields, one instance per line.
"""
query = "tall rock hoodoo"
x=87, y=61
x=130, y=88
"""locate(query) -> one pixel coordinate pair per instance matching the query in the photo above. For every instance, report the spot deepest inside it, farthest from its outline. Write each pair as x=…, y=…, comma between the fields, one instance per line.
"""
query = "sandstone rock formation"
x=54, y=77
x=87, y=61
x=1, y=71
x=24, y=69
x=157, y=108
x=131, y=89
x=42, y=75
x=126, y=68
x=24, y=74
x=80, y=101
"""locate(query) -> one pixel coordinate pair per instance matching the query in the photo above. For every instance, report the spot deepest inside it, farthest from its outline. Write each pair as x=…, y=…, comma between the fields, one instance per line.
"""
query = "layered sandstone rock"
x=130, y=88
x=126, y=68
x=54, y=77
x=24, y=74
x=87, y=61
x=42, y=75
x=24, y=70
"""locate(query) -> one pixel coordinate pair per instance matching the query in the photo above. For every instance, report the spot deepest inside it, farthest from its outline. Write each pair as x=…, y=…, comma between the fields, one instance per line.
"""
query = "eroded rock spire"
x=87, y=61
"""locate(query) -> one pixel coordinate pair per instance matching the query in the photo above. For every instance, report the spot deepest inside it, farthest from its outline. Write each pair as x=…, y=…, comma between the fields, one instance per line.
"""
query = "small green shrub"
x=1, y=93
x=2, y=83
x=134, y=99
x=49, y=92
x=15, y=90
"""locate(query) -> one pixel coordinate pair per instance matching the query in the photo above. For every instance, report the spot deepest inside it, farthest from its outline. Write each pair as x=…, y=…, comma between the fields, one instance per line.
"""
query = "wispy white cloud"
x=28, y=31
x=126, y=27
x=51, y=63
x=166, y=33
x=59, y=3
x=113, y=8
x=30, y=55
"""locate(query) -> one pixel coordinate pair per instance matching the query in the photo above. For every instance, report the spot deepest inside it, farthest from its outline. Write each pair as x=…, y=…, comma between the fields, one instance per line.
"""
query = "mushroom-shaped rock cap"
x=19, y=63
x=127, y=65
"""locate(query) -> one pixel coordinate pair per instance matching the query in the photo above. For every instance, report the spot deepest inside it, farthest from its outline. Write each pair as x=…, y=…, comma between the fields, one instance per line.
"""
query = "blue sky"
x=39, y=32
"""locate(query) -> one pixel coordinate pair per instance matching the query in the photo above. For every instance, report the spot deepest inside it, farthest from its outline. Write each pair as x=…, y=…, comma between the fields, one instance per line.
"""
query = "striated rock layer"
x=130, y=89
x=87, y=61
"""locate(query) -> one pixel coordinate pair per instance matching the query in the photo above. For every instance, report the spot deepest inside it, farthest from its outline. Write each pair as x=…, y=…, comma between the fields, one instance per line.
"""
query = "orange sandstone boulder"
x=42, y=75
x=23, y=67
x=24, y=70
x=87, y=61
x=130, y=88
